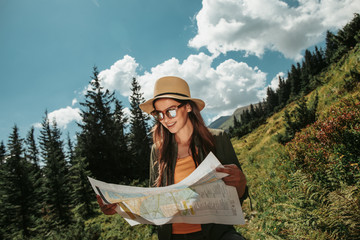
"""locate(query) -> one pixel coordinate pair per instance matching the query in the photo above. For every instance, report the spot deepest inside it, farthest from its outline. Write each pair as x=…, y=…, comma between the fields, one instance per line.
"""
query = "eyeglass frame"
x=166, y=112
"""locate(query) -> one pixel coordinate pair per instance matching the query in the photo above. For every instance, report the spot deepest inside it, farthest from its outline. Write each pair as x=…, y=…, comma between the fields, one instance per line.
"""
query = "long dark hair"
x=163, y=140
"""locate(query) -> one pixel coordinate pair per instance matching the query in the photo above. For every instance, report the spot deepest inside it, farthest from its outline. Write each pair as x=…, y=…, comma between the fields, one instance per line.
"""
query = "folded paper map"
x=200, y=198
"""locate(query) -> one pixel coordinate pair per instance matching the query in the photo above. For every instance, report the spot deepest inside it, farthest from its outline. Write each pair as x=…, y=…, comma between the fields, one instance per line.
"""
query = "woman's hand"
x=236, y=177
x=108, y=209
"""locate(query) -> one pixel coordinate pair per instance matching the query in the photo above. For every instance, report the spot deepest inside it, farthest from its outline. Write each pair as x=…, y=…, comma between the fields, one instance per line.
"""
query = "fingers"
x=99, y=200
x=107, y=209
x=235, y=177
x=227, y=168
x=233, y=171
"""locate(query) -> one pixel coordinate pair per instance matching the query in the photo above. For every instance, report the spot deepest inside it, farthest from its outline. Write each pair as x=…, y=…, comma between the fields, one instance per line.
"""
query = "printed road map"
x=200, y=198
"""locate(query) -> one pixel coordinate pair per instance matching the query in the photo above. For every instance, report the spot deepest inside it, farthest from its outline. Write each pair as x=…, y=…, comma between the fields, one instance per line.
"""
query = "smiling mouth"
x=170, y=125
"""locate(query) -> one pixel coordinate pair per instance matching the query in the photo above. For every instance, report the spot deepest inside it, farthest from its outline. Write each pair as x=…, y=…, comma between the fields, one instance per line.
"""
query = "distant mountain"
x=225, y=122
x=218, y=122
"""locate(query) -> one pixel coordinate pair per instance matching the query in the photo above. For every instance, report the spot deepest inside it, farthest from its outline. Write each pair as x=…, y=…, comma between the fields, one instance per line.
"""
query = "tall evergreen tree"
x=295, y=80
x=122, y=139
x=17, y=200
x=272, y=100
x=331, y=46
x=82, y=194
x=99, y=137
x=70, y=150
x=56, y=183
x=139, y=138
x=348, y=35
x=35, y=173
x=306, y=71
x=260, y=112
x=283, y=91
x=32, y=151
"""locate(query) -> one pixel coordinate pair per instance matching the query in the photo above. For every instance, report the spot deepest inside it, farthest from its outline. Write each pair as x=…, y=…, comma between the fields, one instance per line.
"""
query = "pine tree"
x=347, y=35
x=56, y=182
x=139, y=138
x=272, y=100
x=283, y=91
x=237, y=123
x=99, y=139
x=122, y=139
x=17, y=209
x=331, y=47
x=70, y=154
x=245, y=117
x=35, y=173
x=82, y=194
x=260, y=112
x=306, y=71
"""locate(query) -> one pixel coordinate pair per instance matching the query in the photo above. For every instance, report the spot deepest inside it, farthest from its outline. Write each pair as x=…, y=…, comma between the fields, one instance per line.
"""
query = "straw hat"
x=171, y=87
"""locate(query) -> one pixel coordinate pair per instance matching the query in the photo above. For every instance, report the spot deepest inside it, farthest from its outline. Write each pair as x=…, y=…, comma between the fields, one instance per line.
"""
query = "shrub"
x=329, y=150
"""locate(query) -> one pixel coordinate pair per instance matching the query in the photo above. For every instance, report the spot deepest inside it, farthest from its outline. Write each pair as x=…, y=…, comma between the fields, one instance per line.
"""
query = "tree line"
x=43, y=181
x=301, y=79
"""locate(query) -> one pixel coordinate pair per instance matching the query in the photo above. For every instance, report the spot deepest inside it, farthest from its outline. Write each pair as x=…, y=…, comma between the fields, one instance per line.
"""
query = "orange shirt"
x=184, y=167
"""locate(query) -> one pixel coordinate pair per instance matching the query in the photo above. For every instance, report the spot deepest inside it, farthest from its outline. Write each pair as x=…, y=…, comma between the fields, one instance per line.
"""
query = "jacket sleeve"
x=153, y=166
x=226, y=154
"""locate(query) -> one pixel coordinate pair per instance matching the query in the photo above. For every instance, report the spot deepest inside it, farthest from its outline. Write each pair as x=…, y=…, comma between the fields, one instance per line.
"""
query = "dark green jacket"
x=225, y=153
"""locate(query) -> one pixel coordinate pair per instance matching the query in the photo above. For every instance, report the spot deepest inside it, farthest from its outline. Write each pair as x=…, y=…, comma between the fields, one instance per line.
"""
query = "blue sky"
x=229, y=51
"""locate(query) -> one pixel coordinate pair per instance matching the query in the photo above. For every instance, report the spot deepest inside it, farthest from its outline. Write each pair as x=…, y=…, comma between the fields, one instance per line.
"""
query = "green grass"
x=287, y=204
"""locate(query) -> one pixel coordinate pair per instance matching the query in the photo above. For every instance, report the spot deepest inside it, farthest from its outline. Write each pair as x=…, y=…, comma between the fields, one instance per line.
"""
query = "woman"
x=181, y=142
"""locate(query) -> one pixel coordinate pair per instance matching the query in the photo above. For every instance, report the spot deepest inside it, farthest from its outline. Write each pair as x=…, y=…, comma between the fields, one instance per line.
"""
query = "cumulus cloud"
x=230, y=85
x=255, y=26
x=224, y=88
x=63, y=117
x=120, y=75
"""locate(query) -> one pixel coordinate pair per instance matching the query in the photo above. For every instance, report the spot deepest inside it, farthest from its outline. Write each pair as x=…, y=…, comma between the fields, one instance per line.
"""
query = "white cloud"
x=254, y=26
x=120, y=75
x=224, y=88
x=63, y=117
x=74, y=101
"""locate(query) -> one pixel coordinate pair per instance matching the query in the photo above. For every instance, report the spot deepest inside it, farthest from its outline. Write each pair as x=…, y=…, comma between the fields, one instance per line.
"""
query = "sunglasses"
x=170, y=112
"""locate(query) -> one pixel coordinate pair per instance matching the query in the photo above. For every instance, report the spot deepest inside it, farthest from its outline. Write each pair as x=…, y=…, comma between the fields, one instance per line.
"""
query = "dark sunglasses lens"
x=160, y=116
x=156, y=115
x=171, y=113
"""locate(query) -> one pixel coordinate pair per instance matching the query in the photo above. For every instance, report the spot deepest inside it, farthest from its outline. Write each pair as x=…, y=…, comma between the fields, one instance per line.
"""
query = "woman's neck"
x=183, y=137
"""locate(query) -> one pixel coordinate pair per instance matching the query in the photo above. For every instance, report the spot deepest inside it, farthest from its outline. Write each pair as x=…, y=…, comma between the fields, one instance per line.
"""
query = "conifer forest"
x=299, y=148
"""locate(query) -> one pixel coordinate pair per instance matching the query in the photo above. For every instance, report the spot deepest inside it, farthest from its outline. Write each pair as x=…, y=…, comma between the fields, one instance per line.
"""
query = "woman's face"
x=178, y=123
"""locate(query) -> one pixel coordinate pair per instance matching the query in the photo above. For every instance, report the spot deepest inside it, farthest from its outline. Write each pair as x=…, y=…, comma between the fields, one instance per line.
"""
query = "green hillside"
x=230, y=120
x=308, y=188
x=218, y=122
x=287, y=203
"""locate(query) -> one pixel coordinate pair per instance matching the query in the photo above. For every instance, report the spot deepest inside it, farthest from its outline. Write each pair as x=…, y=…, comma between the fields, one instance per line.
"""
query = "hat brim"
x=148, y=106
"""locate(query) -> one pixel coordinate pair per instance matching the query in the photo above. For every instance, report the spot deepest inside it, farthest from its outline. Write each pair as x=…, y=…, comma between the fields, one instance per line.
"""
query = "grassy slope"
x=265, y=162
